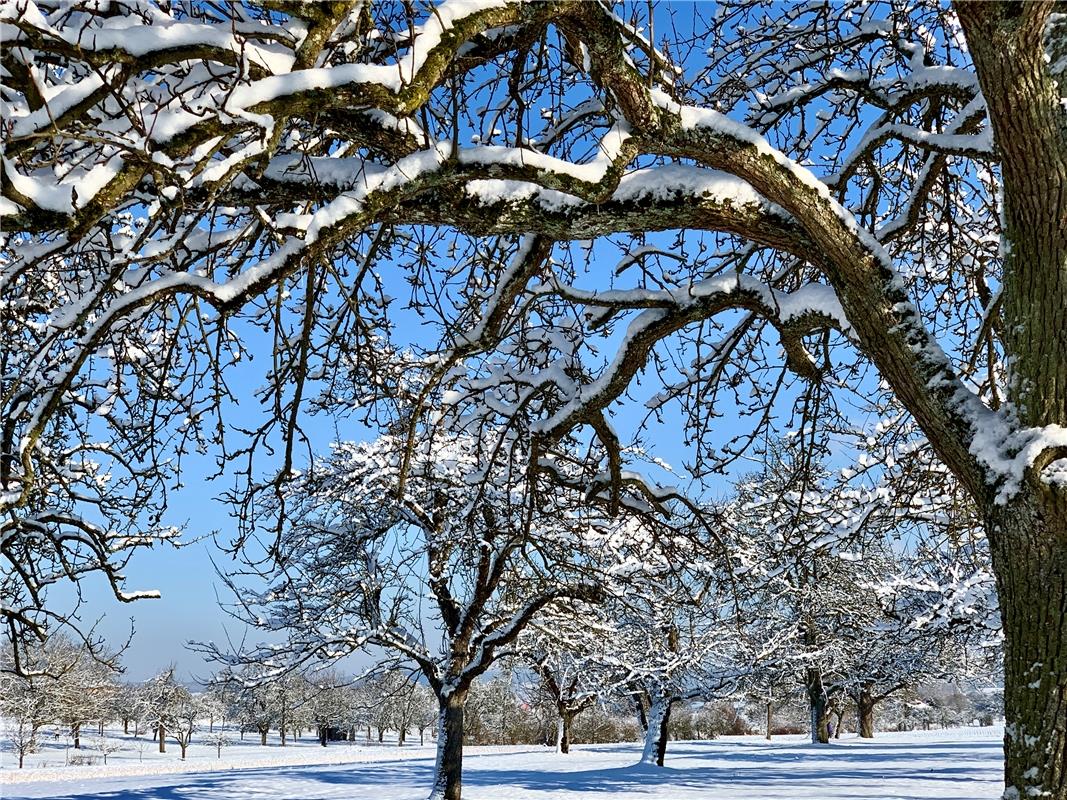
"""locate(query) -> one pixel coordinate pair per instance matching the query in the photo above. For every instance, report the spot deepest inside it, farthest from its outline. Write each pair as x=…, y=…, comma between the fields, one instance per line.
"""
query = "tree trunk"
x=126, y=725
x=1030, y=561
x=184, y=746
x=263, y=736
x=323, y=734
x=381, y=735
x=448, y=771
x=162, y=738
x=76, y=730
x=838, y=714
x=563, y=732
x=769, y=710
x=659, y=716
x=1022, y=84
x=401, y=736
x=817, y=699
x=642, y=718
x=865, y=711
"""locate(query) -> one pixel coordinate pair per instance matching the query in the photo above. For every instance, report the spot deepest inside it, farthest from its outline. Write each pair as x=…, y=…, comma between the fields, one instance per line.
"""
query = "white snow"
x=591, y=172
x=666, y=182
x=958, y=764
x=494, y=190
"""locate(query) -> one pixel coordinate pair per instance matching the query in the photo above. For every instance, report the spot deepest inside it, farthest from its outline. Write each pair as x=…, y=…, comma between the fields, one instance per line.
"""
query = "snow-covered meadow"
x=954, y=764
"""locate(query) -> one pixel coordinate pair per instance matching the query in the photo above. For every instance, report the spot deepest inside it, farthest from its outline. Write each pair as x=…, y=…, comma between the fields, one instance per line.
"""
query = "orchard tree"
x=565, y=651
x=106, y=746
x=362, y=549
x=328, y=704
x=810, y=562
x=873, y=189
x=218, y=739
x=937, y=616
x=257, y=700
x=425, y=711
x=675, y=629
x=183, y=718
x=400, y=699
x=163, y=696
x=83, y=689
x=25, y=707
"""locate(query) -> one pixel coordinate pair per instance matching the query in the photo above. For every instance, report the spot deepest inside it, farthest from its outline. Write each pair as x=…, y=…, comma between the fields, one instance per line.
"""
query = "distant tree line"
x=81, y=701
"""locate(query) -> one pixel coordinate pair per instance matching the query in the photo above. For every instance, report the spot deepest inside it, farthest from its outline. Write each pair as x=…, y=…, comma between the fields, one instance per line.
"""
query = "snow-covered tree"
x=366, y=540
x=399, y=698
x=218, y=739
x=328, y=704
x=81, y=687
x=807, y=581
x=257, y=701
x=425, y=712
x=868, y=592
x=184, y=717
x=566, y=653
x=867, y=196
x=25, y=708
x=163, y=697
x=108, y=745
x=675, y=630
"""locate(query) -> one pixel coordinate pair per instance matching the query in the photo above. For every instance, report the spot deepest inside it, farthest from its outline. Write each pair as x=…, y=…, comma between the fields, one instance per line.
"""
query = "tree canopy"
x=841, y=219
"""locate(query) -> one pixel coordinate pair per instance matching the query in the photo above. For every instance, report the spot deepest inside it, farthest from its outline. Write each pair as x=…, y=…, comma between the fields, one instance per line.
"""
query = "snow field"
x=955, y=764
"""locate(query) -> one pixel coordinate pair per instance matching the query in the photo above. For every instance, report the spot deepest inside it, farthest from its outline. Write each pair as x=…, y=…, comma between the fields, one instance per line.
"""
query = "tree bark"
x=162, y=738
x=865, y=711
x=76, y=730
x=1030, y=561
x=1028, y=532
x=659, y=715
x=563, y=737
x=769, y=710
x=642, y=717
x=263, y=736
x=818, y=701
x=448, y=771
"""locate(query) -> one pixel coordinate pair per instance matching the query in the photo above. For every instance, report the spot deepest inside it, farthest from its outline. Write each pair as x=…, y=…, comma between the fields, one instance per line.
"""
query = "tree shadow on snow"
x=756, y=770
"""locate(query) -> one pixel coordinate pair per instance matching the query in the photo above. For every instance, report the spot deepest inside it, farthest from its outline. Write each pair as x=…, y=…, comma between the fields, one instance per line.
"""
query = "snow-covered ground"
x=140, y=755
x=960, y=764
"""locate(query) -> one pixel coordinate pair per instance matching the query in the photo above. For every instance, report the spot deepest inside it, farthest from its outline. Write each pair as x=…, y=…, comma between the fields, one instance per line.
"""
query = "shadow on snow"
x=774, y=770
